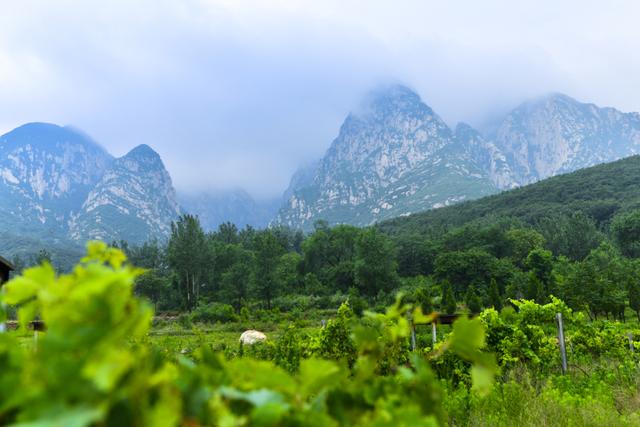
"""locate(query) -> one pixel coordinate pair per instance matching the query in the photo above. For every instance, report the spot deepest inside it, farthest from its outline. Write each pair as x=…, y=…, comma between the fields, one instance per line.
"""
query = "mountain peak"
x=393, y=92
x=44, y=134
x=554, y=99
x=143, y=151
x=390, y=95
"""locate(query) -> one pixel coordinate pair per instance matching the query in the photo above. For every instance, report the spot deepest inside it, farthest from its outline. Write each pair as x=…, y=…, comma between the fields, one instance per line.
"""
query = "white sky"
x=239, y=93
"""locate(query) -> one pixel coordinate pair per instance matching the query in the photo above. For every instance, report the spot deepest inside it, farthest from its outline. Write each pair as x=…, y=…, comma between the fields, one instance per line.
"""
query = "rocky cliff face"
x=46, y=172
x=57, y=184
x=557, y=134
x=393, y=157
x=134, y=201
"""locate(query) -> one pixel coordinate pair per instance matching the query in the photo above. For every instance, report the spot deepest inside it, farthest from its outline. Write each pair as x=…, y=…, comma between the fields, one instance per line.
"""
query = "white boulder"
x=252, y=337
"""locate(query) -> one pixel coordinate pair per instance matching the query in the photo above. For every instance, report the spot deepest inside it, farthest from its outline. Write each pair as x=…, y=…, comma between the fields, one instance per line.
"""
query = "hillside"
x=599, y=191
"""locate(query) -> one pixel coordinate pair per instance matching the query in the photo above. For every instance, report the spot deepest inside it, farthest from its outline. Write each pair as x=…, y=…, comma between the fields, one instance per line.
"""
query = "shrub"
x=213, y=312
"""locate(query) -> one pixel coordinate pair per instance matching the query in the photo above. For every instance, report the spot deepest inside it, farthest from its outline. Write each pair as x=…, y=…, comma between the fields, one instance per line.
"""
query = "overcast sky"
x=237, y=93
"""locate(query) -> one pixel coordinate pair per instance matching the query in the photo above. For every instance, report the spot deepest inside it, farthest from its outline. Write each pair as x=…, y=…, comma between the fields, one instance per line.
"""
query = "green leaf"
x=482, y=379
x=316, y=374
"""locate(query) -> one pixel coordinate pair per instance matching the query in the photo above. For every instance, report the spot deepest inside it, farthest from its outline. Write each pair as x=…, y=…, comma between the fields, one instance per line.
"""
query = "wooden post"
x=413, y=337
x=563, y=350
x=434, y=333
x=631, y=346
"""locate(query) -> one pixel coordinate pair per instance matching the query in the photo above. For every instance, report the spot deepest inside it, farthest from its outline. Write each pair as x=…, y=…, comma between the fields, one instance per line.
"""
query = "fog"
x=239, y=94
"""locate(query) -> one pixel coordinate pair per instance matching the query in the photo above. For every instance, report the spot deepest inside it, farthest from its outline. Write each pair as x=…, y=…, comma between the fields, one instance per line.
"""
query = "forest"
x=574, y=236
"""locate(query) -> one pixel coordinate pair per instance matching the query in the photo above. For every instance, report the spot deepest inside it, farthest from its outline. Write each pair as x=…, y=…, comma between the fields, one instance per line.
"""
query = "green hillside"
x=599, y=192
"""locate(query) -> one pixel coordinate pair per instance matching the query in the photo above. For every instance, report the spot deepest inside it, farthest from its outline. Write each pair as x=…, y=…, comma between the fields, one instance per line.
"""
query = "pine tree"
x=448, y=303
x=423, y=300
x=472, y=300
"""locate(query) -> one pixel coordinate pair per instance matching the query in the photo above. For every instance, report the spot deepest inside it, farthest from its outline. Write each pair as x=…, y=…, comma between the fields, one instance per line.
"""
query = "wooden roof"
x=6, y=264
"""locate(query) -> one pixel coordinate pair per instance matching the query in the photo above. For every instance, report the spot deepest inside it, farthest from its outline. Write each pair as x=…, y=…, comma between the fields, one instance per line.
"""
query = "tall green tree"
x=625, y=230
x=472, y=300
x=188, y=256
x=470, y=266
x=375, y=265
x=267, y=252
x=415, y=255
x=448, y=302
x=495, y=299
x=540, y=264
x=236, y=280
x=633, y=292
x=521, y=242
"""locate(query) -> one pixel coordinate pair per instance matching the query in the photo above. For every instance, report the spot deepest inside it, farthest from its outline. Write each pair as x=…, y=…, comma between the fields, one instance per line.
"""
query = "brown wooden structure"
x=5, y=268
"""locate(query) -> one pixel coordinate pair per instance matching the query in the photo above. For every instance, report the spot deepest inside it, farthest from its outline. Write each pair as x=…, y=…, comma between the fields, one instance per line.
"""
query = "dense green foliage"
x=95, y=366
x=216, y=276
x=574, y=236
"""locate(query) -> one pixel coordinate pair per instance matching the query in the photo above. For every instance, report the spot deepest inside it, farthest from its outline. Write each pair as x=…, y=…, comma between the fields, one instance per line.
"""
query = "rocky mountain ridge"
x=395, y=156
x=56, y=183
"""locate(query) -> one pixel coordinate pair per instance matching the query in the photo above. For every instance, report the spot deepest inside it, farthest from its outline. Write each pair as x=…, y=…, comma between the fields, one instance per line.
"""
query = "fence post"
x=563, y=349
x=631, y=346
x=413, y=336
x=3, y=325
x=434, y=333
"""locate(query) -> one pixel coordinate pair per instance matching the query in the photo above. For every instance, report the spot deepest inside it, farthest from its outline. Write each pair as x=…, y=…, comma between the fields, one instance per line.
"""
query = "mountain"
x=46, y=172
x=59, y=187
x=392, y=157
x=395, y=156
x=600, y=192
x=236, y=206
x=557, y=134
x=133, y=201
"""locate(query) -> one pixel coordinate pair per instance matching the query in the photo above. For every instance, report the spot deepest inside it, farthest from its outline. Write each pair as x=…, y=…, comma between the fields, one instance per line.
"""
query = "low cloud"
x=238, y=93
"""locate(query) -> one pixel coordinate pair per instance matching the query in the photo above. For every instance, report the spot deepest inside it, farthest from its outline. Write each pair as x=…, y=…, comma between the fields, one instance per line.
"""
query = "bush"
x=213, y=312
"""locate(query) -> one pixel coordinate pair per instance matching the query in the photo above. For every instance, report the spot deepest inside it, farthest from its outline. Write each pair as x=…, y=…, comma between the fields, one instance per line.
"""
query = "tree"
x=536, y=289
x=267, y=254
x=633, y=292
x=540, y=263
x=187, y=255
x=330, y=254
x=598, y=281
x=288, y=273
x=573, y=236
x=235, y=281
x=625, y=230
x=448, y=301
x=466, y=267
x=150, y=255
x=495, y=299
x=227, y=233
x=375, y=266
x=415, y=255
x=472, y=300
x=521, y=242
x=154, y=287
x=424, y=300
